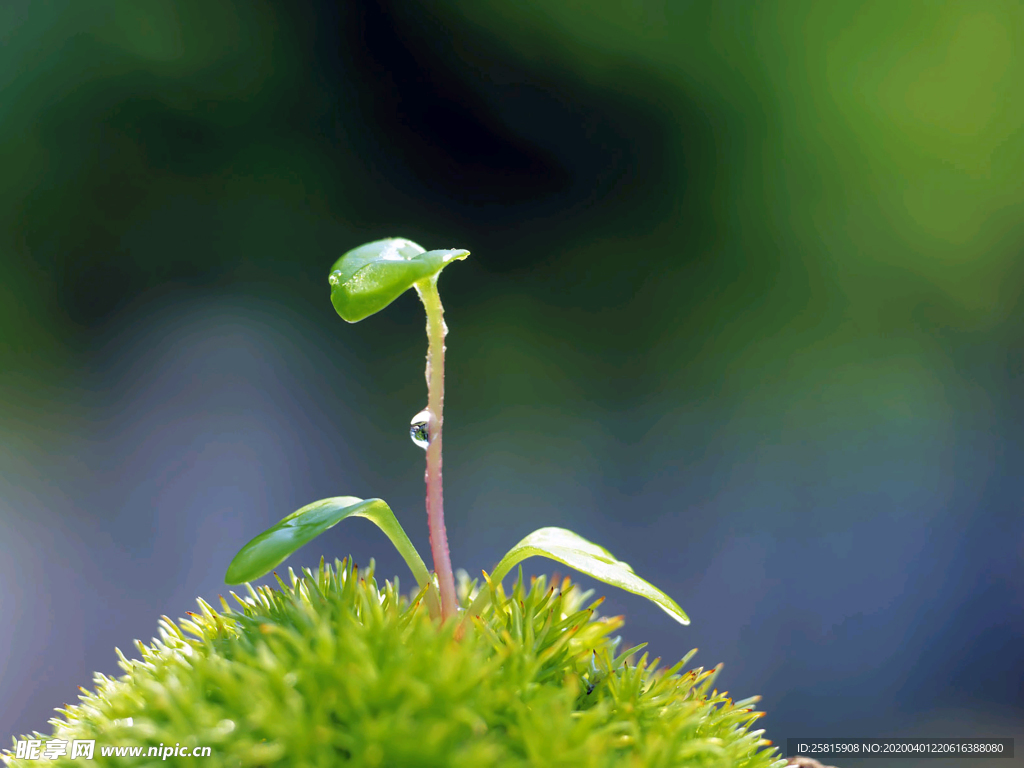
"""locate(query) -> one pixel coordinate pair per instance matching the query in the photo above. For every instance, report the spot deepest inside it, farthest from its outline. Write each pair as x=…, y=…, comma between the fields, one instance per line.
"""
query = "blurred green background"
x=743, y=305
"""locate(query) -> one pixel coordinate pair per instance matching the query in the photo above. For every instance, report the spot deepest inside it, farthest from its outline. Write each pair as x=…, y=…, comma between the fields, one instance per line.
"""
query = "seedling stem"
x=436, y=331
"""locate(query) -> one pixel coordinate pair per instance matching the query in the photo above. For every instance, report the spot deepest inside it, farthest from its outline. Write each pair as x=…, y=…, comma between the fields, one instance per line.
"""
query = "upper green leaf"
x=270, y=548
x=585, y=556
x=368, y=278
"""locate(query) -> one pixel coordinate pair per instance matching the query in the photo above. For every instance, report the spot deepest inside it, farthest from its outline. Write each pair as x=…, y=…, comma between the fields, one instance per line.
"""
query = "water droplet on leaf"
x=334, y=278
x=419, y=429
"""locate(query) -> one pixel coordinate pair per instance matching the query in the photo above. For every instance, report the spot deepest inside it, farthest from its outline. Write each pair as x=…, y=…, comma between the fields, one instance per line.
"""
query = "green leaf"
x=270, y=548
x=576, y=552
x=368, y=278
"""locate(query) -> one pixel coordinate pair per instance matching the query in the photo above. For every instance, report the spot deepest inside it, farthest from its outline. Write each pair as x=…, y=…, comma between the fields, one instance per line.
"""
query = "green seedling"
x=363, y=282
x=329, y=667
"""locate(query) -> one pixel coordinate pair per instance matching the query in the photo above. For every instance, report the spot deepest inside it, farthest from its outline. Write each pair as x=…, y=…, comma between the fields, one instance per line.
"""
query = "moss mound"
x=332, y=670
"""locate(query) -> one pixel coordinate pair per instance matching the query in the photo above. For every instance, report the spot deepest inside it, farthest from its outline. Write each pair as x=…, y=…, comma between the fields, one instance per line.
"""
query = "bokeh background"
x=743, y=305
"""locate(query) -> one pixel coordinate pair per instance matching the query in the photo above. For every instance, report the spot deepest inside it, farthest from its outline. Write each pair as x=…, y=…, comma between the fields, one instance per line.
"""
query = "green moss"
x=330, y=669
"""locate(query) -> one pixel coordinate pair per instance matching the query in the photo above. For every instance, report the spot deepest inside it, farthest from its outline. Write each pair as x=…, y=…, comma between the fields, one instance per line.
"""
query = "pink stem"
x=436, y=331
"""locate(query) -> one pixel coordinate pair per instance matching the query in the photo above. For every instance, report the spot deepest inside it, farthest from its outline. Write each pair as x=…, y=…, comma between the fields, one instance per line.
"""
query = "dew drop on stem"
x=419, y=429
